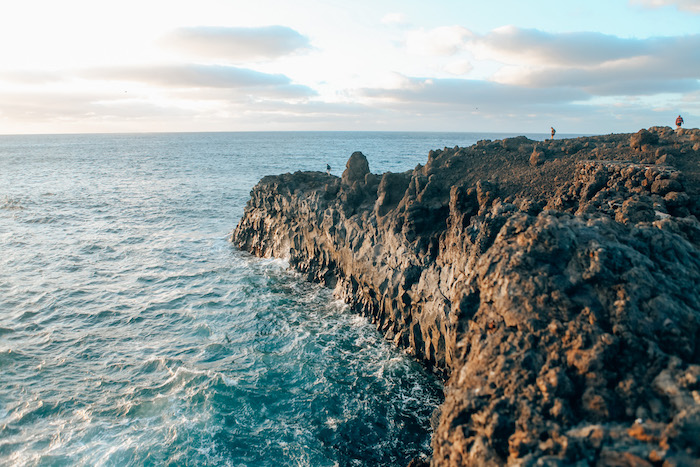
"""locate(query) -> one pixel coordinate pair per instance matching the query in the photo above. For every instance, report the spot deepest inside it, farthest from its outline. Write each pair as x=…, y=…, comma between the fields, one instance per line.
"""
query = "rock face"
x=555, y=286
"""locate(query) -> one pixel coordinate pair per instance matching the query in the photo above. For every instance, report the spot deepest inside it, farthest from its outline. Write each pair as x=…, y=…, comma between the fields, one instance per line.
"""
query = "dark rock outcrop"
x=554, y=285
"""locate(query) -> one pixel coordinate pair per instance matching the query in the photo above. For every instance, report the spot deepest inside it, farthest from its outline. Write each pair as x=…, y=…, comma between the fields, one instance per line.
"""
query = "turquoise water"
x=133, y=333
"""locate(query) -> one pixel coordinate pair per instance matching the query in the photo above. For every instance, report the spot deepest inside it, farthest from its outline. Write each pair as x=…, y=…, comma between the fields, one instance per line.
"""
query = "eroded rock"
x=557, y=298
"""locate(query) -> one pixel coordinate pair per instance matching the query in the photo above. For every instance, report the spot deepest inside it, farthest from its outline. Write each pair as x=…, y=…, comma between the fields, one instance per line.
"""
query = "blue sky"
x=226, y=65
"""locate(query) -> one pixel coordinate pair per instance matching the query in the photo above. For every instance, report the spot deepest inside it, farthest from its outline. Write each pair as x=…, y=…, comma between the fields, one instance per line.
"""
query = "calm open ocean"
x=133, y=333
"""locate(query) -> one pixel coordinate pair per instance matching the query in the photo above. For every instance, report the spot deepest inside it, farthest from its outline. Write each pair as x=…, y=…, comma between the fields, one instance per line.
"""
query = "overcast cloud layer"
x=340, y=74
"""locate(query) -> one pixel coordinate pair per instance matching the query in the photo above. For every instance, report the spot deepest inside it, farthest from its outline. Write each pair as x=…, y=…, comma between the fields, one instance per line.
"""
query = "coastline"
x=550, y=284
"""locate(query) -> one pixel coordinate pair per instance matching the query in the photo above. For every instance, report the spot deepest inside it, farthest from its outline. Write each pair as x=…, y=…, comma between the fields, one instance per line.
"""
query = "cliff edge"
x=554, y=285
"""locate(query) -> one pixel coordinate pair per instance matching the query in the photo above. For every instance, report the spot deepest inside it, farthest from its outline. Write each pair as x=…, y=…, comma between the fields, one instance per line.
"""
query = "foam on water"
x=133, y=333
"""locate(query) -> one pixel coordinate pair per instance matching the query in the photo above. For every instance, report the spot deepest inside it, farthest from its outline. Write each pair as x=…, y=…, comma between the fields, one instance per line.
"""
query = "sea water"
x=132, y=332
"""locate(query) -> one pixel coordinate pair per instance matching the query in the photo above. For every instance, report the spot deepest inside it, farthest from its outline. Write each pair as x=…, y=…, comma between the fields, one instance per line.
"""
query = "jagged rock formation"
x=554, y=285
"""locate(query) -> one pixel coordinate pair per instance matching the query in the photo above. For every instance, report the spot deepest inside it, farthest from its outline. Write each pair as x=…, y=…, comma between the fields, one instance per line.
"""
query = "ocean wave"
x=133, y=333
x=11, y=204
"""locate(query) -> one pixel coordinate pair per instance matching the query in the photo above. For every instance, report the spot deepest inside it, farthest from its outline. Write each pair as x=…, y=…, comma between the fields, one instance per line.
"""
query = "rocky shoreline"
x=555, y=286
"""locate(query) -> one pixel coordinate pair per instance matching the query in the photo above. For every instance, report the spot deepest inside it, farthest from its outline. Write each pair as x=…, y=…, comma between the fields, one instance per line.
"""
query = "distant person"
x=328, y=169
x=553, y=132
x=679, y=121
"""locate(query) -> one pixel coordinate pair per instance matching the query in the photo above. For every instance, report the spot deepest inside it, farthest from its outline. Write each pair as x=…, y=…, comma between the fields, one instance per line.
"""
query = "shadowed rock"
x=355, y=169
x=642, y=138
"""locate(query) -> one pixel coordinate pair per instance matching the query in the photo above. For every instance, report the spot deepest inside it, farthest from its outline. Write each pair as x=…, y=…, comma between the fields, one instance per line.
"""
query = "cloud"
x=421, y=105
x=692, y=6
x=642, y=77
x=594, y=62
x=442, y=41
x=40, y=106
x=534, y=47
x=394, y=18
x=162, y=97
x=465, y=95
x=203, y=76
x=236, y=44
x=459, y=67
x=32, y=77
x=207, y=76
x=477, y=105
x=189, y=110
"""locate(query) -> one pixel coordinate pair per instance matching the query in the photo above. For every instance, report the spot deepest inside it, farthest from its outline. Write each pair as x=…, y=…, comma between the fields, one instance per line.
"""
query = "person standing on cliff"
x=679, y=122
x=328, y=169
x=553, y=131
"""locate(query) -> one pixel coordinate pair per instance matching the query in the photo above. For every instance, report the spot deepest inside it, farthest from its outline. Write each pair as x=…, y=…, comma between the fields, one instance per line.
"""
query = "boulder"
x=643, y=138
x=356, y=169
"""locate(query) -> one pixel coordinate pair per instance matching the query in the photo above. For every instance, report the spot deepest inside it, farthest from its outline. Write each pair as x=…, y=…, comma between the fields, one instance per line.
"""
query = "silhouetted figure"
x=553, y=132
x=328, y=169
x=679, y=121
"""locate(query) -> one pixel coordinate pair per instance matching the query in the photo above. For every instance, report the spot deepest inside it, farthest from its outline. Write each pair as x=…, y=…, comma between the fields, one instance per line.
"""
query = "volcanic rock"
x=553, y=285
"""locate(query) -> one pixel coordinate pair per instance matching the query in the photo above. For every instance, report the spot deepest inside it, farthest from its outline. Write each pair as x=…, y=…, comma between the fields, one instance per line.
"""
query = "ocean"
x=132, y=332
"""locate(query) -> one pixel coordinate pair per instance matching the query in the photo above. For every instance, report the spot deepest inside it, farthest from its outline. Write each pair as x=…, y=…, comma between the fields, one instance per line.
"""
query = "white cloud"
x=459, y=67
x=236, y=44
x=534, y=47
x=465, y=94
x=208, y=109
x=356, y=74
x=596, y=63
x=475, y=105
x=394, y=18
x=692, y=6
x=633, y=77
x=47, y=106
x=442, y=41
x=201, y=76
x=33, y=77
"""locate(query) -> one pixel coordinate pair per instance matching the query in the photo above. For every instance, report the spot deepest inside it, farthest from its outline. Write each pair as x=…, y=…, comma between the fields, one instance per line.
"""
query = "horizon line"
x=517, y=133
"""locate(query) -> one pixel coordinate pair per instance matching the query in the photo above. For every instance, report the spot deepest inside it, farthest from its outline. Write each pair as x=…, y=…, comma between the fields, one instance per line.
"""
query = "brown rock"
x=643, y=138
x=675, y=199
x=610, y=458
x=661, y=187
x=537, y=158
x=558, y=301
x=355, y=169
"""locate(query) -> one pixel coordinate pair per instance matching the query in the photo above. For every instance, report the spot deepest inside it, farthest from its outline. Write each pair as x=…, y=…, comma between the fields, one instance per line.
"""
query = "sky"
x=582, y=66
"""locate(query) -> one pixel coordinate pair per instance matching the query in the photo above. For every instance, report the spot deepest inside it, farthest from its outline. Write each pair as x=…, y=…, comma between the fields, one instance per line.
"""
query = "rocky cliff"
x=554, y=285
